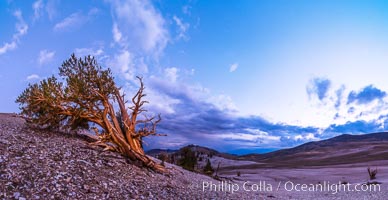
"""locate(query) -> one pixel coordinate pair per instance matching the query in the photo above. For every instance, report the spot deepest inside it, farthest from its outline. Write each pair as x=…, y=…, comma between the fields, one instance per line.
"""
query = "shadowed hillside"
x=343, y=149
x=195, y=148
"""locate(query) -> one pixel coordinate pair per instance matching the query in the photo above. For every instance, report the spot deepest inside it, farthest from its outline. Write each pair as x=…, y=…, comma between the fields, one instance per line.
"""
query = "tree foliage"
x=208, y=169
x=86, y=95
x=188, y=159
x=372, y=173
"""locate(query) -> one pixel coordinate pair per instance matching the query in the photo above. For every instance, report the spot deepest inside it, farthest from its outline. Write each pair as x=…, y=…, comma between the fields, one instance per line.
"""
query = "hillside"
x=196, y=148
x=48, y=165
x=343, y=149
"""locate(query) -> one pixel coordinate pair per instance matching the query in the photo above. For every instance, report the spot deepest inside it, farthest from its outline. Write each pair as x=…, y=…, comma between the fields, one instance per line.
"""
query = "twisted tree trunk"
x=87, y=96
x=128, y=140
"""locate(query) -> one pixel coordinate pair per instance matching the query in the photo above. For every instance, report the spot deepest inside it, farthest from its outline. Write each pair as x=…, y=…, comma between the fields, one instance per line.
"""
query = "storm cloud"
x=193, y=119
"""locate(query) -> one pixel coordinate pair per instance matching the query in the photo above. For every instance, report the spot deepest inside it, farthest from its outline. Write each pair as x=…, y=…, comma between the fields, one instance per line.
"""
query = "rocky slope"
x=38, y=164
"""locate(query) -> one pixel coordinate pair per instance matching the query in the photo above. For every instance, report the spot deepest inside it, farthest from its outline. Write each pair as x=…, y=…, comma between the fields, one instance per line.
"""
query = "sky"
x=238, y=76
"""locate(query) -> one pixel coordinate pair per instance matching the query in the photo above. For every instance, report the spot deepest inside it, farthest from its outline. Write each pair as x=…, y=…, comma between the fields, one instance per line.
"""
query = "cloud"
x=21, y=26
x=306, y=137
x=32, y=77
x=355, y=127
x=117, y=35
x=41, y=7
x=45, y=56
x=51, y=8
x=339, y=95
x=366, y=95
x=140, y=25
x=223, y=102
x=182, y=28
x=139, y=32
x=233, y=67
x=186, y=10
x=319, y=87
x=21, y=29
x=82, y=52
x=8, y=47
x=123, y=64
x=171, y=73
x=75, y=20
x=191, y=115
x=262, y=136
x=37, y=6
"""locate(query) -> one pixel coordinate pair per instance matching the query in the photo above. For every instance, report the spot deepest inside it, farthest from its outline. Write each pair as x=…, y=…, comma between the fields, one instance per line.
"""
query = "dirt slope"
x=47, y=165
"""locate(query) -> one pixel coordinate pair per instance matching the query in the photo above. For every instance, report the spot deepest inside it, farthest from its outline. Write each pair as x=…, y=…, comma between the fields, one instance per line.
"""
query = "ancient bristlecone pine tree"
x=85, y=95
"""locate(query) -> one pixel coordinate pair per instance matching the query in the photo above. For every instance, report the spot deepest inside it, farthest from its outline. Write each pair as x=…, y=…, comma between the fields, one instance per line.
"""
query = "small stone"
x=16, y=195
x=86, y=187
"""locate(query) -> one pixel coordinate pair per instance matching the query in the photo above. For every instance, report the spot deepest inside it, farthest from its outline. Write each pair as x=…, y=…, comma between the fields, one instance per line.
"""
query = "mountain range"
x=342, y=149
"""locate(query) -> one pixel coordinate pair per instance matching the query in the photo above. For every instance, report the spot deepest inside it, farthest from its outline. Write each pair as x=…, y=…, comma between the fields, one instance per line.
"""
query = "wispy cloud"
x=182, y=28
x=21, y=26
x=305, y=137
x=171, y=73
x=233, y=67
x=45, y=56
x=339, y=94
x=75, y=20
x=186, y=10
x=117, y=35
x=21, y=29
x=140, y=25
x=123, y=63
x=82, y=52
x=32, y=77
x=52, y=8
x=7, y=47
x=37, y=6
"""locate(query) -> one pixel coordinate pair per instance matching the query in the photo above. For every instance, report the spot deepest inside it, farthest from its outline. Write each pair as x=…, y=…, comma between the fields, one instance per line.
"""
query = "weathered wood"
x=88, y=96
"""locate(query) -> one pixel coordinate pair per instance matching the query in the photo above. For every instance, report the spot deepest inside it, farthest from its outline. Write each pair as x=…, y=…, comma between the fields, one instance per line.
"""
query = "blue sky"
x=238, y=76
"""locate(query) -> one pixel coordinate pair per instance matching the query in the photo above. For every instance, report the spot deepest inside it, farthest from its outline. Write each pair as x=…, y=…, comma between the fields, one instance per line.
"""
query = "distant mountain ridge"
x=342, y=149
x=194, y=148
x=153, y=152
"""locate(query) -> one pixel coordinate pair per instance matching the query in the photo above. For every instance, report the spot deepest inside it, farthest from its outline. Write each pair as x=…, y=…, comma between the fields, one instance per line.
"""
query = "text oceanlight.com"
x=288, y=186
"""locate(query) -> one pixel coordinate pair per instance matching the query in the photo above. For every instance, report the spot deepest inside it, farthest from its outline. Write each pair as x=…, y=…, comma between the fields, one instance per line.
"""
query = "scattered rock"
x=37, y=164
